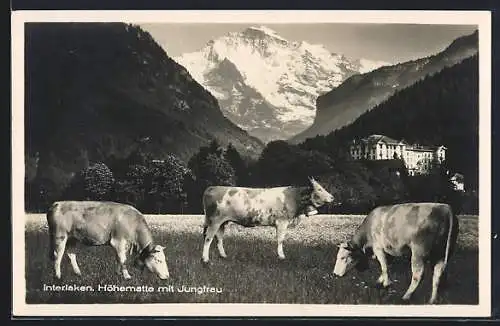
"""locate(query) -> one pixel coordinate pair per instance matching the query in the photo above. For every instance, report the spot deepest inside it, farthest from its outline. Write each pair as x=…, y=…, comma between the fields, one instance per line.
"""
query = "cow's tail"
x=204, y=231
x=209, y=209
x=451, y=237
x=205, y=220
x=51, y=225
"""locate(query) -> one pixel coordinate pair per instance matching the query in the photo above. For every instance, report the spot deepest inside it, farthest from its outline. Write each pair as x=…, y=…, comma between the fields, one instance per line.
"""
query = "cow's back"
x=402, y=224
x=241, y=200
x=93, y=222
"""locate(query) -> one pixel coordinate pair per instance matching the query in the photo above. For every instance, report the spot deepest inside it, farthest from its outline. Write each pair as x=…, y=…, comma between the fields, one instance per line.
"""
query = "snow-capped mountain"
x=266, y=84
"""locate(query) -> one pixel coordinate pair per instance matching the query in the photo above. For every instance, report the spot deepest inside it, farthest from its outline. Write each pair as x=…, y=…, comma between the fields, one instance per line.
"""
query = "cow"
x=95, y=223
x=278, y=207
x=426, y=230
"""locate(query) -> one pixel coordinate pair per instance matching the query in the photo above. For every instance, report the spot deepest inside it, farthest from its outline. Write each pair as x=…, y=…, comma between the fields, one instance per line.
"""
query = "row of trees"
x=152, y=185
x=170, y=186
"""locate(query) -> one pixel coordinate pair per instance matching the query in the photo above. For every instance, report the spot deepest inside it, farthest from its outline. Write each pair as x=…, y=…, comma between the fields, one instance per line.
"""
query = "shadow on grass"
x=252, y=273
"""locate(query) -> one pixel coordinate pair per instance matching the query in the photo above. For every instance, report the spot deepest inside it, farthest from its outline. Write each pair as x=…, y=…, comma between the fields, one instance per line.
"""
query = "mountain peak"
x=261, y=78
x=263, y=30
x=466, y=41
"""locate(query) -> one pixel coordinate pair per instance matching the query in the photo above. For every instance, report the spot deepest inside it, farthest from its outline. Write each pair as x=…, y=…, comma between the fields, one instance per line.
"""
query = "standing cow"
x=429, y=230
x=103, y=223
x=278, y=207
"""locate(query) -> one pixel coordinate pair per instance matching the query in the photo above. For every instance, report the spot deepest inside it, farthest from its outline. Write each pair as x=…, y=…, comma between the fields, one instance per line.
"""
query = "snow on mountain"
x=267, y=84
x=369, y=65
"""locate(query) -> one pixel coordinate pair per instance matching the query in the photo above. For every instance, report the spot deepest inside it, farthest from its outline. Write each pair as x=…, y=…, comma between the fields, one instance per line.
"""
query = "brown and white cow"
x=96, y=223
x=249, y=207
x=428, y=230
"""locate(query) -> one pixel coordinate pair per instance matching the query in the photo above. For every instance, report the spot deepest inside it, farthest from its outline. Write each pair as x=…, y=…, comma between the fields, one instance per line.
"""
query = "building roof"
x=375, y=138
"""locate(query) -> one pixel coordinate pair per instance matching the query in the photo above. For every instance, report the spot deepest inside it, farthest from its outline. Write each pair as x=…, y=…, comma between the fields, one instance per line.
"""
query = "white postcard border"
x=480, y=18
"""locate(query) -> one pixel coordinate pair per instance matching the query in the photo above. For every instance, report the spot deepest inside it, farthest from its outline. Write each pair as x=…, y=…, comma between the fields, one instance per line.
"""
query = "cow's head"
x=349, y=256
x=319, y=196
x=153, y=258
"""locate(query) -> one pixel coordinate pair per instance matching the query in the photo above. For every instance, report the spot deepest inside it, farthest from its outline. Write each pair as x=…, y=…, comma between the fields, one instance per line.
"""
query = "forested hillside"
x=361, y=93
x=440, y=109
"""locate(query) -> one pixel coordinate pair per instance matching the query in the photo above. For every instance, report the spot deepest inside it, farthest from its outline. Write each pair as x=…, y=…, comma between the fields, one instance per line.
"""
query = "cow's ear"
x=349, y=246
x=155, y=250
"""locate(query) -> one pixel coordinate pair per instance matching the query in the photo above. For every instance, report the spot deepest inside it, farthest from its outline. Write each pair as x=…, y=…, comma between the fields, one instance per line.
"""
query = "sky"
x=391, y=43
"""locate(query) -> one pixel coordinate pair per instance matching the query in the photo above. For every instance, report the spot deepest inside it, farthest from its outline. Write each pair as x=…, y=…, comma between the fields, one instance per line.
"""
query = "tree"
x=98, y=181
x=238, y=164
x=130, y=189
x=95, y=182
x=281, y=163
x=209, y=167
x=40, y=193
x=165, y=185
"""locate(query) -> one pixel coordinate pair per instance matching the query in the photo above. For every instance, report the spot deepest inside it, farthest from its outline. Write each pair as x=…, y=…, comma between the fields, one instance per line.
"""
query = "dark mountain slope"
x=95, y=90
x=360, y=93
x=440, y=109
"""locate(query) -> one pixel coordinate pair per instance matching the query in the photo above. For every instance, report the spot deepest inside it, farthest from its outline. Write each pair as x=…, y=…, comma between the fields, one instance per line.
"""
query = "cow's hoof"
x=205, y=263
x=405, y=301
x=433, y=301
x=281, y=258
x=381, y=286
x=406, y=298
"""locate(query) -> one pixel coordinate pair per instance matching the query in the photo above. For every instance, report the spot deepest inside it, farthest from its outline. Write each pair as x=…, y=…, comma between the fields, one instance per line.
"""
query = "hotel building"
x=418, y=159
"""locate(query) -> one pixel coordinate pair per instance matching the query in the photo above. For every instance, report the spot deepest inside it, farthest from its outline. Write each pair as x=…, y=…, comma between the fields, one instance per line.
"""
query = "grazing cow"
x=428, y=230
x=249, y=207
x=95, y=223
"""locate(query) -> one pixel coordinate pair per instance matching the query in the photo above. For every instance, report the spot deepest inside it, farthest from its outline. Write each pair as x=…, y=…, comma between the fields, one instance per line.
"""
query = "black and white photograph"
x=264, y=163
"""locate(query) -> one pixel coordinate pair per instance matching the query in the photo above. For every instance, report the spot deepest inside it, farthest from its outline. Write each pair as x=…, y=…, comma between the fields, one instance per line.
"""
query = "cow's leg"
x=70, y=252
x=209, y=233
x=74, y=264
x=439, y=268
x=121, y=247
x=281, y=227
x=59, y=247
x=384, y=275
x=220, y=236
x=417, y=271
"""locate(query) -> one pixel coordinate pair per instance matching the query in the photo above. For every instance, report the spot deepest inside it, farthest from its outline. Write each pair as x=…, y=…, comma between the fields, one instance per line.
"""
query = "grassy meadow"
x=252, y=272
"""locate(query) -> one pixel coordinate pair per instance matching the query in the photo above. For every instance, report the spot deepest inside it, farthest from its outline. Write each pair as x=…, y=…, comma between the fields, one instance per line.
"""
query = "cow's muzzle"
x=164, y=277
x=337, y=274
